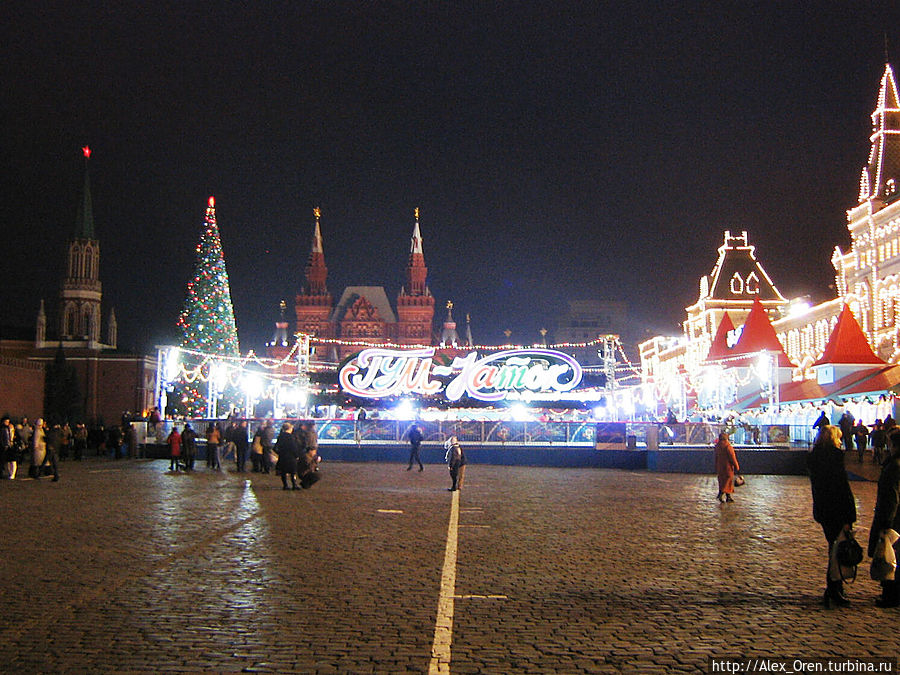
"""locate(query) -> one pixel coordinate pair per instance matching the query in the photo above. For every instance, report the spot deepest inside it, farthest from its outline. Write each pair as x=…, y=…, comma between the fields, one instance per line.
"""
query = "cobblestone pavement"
x=124, y=567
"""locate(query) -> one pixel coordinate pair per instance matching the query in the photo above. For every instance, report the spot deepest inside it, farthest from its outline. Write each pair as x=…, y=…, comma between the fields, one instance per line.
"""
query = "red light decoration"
x=87, y=152
x=212, y=202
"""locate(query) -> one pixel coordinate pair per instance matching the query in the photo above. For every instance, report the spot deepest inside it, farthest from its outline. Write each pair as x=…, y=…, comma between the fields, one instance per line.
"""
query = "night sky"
x=555, y=149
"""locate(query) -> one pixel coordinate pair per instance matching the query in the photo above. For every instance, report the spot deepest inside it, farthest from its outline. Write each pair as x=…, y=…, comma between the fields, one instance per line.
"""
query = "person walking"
x=114, y=441
x=312, y=436
x=456, y=462
x=726, y=466
x=38, y=448
x=174, y=443
x=256, y=452
x=833, y=505
x=79, y=441
x=415, y=441
x=887, y=516
x=65, y=444
x=268, y=443
x=288, y=453
x=879, y=442
x=213, y=438
x=308, y=463
x=54, y=443
x=861, y=437
x=8, y=446
x=241, y=446
x=846, y=425
x=821, y=420
x=189, y=446
x=25, y=431
x=131, y=440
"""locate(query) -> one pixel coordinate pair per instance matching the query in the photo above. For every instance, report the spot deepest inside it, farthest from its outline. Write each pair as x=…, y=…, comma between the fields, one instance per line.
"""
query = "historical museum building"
x=867, y=276
x=363, y=313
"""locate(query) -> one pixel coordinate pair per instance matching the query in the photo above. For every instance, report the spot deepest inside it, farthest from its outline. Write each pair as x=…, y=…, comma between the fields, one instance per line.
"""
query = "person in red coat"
x=174, y=442
x=726, y=466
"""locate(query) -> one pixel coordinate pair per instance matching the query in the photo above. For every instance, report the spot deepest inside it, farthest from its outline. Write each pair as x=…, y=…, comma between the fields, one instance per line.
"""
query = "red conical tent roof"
x=719, y=348
x=848, y=343
x=759, y=335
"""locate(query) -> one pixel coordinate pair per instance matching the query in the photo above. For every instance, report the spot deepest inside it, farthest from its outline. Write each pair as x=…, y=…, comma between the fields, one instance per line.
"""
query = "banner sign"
x=509, y=374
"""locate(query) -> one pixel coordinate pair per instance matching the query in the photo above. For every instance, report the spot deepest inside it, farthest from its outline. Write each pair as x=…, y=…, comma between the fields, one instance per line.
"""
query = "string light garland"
x=396, y=345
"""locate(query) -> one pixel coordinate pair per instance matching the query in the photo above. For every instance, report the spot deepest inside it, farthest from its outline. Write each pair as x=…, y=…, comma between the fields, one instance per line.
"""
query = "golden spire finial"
x=449, y=304
x=317, y=212
x=417, y=214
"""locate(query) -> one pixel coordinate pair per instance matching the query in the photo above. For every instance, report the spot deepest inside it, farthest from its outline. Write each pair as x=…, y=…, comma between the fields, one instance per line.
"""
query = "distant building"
x=867, y=280
x=585, y=321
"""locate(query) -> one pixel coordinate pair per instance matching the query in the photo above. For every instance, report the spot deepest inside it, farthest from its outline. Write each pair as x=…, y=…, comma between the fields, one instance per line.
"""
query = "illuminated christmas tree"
x=207, y=322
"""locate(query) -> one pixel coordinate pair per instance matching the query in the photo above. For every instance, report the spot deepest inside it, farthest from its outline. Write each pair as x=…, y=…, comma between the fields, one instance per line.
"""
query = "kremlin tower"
x=313, y=304
x=88, y=378
x=415, y=303
x=81, y=292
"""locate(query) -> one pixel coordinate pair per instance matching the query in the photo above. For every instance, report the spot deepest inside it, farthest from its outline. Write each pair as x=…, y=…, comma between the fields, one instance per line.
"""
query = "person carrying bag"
x=884, y=561
x=885, y=526
x=846, y=555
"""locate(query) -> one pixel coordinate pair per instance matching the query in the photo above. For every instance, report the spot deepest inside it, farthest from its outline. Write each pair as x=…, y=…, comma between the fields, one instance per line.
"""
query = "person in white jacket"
x=38, y=447
x=456, y=461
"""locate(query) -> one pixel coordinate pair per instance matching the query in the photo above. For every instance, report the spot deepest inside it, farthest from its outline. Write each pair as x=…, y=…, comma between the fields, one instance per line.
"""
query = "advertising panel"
x=512, y=374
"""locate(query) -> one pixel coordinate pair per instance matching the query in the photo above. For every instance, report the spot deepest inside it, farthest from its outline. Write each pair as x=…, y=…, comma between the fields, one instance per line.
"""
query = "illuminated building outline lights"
x=379, y=372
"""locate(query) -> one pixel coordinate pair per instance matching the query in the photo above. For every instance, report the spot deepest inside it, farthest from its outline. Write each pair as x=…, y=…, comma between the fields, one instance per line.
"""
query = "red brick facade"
x=363, y=312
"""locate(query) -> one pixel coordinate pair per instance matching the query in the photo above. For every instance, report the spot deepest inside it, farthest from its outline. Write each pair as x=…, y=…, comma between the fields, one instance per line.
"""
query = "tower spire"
x=416, y=244
x=416, y=271
x=317, y=235
x=84, y=222
x=449, y=336
x=881, y=174
x=81, y=292
x=316, y=271
x=415, y=304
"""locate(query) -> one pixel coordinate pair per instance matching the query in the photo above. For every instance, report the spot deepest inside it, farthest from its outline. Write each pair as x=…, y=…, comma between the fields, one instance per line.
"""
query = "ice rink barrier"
x=673, y=448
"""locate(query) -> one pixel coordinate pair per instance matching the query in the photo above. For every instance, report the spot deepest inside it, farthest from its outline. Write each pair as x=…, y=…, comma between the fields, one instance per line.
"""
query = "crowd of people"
x=294, y=454
x=40, y=446
x=856, y=436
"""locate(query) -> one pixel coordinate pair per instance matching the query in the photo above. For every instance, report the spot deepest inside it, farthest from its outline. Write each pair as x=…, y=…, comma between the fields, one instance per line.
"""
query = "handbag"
x=846, y=554
x=739, y=480
x=884, y=562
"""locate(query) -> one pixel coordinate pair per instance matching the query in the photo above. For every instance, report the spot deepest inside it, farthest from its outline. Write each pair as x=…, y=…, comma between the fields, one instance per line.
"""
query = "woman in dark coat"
x=726, y=466
x=887, y=515
x=288, y=451
x=833, y=505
